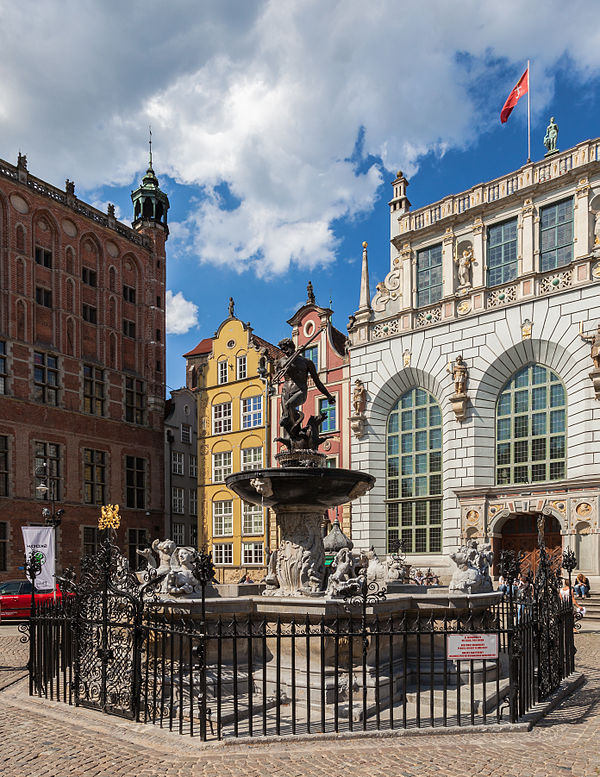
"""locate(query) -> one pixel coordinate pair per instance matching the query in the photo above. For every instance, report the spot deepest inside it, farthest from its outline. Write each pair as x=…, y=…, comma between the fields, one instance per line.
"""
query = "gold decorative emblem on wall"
x=406, y=358
x=472, y=516
x=596, y=270
x=464, y=307
x=560, y=506
x=526, y=328
x=583, y=509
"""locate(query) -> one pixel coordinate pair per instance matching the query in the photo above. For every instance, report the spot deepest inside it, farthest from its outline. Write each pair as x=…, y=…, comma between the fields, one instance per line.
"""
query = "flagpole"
x=528, y=113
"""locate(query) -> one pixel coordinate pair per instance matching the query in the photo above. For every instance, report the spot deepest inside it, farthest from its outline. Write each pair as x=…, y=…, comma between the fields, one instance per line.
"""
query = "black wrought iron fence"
x=253, y=677
x=364, y=663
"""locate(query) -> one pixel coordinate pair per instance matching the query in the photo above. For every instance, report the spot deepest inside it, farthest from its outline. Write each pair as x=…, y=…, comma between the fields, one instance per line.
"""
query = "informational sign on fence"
x=465, y=647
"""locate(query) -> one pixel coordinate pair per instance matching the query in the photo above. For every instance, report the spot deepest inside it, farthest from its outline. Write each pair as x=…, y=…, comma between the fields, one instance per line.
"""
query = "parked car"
x=15, y=598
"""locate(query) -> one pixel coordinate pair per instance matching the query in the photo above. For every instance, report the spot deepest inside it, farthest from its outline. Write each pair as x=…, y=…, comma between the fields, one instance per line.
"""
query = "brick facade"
x=87, y=295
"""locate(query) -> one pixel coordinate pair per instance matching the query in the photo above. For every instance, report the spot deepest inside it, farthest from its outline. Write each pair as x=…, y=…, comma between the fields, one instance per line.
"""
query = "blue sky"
x=278, y=127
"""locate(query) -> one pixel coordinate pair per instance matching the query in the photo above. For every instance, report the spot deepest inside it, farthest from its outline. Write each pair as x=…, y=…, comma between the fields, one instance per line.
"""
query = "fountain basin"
x=300, y=488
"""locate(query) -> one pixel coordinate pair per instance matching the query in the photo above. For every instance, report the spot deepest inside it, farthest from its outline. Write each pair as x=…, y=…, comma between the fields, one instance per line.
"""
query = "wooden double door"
x=520, y=533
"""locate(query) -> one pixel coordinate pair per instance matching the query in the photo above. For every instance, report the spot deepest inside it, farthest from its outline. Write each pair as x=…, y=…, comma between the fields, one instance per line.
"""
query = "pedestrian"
x=565, y=591
x=582, y=586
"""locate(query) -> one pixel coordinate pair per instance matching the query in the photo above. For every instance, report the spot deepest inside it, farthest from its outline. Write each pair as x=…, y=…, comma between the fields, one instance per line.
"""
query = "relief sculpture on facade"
x=594, y=339
x=387, y=290
x=458, y=400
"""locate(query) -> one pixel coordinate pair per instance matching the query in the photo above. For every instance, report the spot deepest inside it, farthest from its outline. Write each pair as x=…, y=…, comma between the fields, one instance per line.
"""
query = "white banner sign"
x=40, y=541
x=465, y=647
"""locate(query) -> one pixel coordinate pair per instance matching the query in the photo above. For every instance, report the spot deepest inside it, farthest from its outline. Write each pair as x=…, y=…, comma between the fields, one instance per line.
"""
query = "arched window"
x=531, y=424
x=414, y=473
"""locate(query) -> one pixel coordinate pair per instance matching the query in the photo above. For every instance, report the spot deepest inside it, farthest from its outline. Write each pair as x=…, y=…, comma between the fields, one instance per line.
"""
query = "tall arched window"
x=531, y=424
x=414, y=473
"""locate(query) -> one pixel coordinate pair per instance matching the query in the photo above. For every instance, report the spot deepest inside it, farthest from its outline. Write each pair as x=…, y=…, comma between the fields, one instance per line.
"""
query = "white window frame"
x=193, y=502
x=222, y=371
x=249, y=417
x=222, y=465
x=193, y=465
x=179, y=533
x=250, y=460
x=222, y=554
x=221, y=418
x=222, y=510
x=178, y=500
x=186, y=433
x=253, y=520
x=177, y=463
x=253, y=554
x=241, y=367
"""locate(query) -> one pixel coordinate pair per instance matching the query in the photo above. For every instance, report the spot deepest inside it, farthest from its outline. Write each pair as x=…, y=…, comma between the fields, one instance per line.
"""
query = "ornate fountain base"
x=299, y=496
x=299, y=562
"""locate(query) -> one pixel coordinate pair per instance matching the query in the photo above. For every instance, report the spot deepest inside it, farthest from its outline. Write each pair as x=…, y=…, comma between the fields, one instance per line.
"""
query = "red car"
x=15, y=598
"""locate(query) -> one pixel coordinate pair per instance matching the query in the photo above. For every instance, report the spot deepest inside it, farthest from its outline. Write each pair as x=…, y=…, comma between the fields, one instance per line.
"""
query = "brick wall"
x=92, y=258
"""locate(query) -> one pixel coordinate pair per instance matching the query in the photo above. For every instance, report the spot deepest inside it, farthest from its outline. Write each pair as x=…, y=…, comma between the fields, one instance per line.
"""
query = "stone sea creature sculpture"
x=472, y=575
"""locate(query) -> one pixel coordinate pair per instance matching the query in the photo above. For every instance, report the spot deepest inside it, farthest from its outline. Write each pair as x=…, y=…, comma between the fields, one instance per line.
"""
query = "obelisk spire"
x=364, y=303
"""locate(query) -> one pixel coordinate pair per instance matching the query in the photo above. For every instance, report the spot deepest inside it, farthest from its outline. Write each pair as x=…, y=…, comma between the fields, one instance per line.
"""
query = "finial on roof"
x=231, y=307
x=310, y=294
x=364, y=303
x=150, y=144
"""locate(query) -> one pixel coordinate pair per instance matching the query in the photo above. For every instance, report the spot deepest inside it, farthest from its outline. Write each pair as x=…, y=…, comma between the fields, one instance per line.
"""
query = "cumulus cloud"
x=182, y=314
x=302, y=109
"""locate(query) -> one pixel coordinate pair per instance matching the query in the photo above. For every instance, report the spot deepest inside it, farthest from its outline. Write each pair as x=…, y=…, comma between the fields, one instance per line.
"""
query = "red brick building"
x=82, y=364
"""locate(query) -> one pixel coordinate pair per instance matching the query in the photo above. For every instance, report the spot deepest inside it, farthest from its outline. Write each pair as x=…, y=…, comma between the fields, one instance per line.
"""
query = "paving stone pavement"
x=40, y=738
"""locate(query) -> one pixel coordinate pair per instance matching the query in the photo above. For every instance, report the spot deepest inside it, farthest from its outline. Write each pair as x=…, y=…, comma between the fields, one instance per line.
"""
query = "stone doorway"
x=520, y=533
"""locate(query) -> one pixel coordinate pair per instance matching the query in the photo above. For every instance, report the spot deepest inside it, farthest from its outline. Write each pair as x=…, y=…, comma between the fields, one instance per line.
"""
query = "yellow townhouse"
x=233, y=435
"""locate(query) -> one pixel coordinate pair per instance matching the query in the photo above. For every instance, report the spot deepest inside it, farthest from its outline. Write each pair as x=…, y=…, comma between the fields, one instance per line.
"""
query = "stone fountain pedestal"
x=299, y=496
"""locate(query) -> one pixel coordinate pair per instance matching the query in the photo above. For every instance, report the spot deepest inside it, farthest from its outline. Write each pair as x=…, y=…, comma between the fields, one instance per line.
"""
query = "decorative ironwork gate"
x=102, y=631
x=107, y=612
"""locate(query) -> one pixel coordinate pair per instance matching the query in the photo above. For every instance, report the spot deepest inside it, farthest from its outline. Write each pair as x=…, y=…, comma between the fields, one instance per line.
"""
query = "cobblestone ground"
x=40, y=738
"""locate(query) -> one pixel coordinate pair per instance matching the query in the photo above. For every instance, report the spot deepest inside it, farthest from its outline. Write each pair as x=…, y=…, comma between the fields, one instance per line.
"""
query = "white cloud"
x=182, y=314
x=270, y=98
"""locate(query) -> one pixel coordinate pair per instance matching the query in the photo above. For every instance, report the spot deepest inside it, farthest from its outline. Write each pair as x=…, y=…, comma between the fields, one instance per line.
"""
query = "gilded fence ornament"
x=109, y=518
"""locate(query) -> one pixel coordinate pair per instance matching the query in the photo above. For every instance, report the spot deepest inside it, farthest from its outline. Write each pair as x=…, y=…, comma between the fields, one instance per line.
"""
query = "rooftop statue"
x=551, y=137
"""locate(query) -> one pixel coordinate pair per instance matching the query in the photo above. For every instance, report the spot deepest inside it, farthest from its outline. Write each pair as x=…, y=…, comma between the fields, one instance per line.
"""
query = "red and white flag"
x=520, y=89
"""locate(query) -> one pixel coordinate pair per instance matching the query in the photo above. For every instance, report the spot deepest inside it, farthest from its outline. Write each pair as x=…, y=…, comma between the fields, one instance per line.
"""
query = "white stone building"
x=525, y=440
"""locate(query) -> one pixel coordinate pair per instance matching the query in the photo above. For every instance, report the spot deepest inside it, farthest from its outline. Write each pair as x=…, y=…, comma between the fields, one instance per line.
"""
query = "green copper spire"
x=150, y=204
